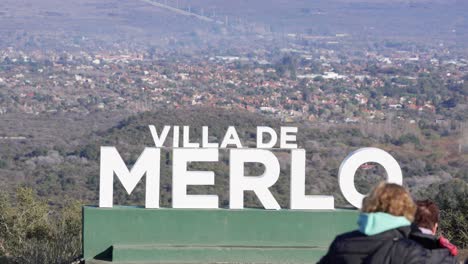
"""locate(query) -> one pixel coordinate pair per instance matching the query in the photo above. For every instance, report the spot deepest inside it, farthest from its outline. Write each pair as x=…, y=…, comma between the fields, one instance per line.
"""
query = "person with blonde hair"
x=384, y=226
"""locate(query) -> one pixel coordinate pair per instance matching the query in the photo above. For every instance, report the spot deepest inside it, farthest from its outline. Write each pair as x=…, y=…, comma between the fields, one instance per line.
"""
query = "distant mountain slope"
x=38, y=23
x=89, y=16
x=121, y=21
x=381, y=18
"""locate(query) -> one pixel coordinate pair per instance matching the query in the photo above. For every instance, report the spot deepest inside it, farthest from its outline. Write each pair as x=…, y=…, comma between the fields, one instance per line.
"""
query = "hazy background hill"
x=31, y=23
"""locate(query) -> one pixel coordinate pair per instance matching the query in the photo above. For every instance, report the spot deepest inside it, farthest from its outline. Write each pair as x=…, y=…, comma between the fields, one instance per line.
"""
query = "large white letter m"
x=111, y=162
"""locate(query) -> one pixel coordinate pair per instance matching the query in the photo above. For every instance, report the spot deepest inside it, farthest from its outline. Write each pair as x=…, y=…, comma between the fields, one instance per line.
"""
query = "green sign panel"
x=132, y=234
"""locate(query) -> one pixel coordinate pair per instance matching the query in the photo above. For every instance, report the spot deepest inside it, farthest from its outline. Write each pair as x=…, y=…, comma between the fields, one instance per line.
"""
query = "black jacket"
x=438, y=254
x=392, y=246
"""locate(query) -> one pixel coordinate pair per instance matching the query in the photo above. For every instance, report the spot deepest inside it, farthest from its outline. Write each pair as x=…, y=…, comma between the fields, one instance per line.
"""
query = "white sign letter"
x=285, y=137
x=175, y=137
x=186, y=138
x=111, y=162
x=181, y=178
x=231, y=138
x=205, y=142
x=352, y=163
x=273, y=137
x=298, y=198
x=258, y=184
x=159, y=140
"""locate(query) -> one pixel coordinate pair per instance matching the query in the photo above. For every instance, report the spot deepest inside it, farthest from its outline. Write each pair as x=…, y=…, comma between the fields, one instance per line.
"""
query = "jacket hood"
x=375, y=223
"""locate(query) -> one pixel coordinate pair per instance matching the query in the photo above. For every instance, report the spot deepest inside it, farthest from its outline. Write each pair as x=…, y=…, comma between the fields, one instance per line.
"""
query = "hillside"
x=71, y=24
x=61, y=165
x=70, y=167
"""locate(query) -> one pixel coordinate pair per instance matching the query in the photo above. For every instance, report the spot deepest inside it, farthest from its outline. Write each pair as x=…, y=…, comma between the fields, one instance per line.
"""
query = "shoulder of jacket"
x=352, y=233
x=442, y=255
x=411, y=251
x=349, y=235
x=406, y=242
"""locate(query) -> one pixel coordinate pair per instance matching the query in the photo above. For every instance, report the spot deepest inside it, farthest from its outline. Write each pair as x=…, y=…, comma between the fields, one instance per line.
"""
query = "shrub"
x=30, y=233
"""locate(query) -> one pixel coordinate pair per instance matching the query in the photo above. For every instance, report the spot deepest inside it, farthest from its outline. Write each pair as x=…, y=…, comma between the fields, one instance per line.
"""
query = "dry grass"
x=463, y=255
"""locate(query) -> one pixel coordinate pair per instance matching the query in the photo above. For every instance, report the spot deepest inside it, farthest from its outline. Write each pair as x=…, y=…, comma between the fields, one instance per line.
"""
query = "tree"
x=30, y=233
x=452, y=198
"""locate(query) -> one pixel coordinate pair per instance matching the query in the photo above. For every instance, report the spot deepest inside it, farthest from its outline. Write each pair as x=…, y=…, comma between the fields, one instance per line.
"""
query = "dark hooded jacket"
x=390, y=246
x=438, y=254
